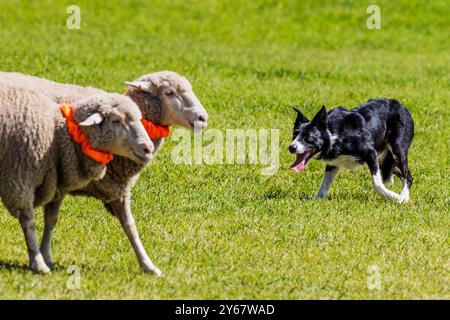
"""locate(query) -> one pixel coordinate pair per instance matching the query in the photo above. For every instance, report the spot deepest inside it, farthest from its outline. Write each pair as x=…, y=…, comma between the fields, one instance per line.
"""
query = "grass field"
x=226, y=231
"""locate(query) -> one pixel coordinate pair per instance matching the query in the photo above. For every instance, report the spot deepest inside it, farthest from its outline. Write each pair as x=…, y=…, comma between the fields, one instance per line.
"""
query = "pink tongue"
x=300, y=162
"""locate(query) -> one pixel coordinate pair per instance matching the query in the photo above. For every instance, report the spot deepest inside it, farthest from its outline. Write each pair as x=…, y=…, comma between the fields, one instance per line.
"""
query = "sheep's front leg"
x=51, y=213
x=121, y=209
x=26, y=219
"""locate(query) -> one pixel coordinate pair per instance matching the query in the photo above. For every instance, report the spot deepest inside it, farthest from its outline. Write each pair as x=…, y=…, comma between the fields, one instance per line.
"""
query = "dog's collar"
x=79, y=136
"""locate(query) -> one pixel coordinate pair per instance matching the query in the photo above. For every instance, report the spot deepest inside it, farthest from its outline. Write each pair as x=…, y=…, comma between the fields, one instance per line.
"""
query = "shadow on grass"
x=14, y=266
x=8, y=265
x=286, y=194
x=304, y=196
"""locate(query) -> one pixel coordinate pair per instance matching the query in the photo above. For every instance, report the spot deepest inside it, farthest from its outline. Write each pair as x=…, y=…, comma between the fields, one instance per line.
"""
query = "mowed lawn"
x=226, y=231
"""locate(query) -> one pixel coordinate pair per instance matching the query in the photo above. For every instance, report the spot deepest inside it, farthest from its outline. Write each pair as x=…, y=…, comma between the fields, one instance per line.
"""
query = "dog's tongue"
x=300, y=162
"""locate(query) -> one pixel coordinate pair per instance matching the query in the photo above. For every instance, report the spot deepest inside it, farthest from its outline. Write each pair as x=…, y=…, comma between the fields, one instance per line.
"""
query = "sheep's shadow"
x=9, y=266
x=14, y=266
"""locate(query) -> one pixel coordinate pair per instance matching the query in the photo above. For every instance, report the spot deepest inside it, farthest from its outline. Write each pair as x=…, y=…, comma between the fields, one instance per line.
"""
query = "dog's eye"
x=308, y=140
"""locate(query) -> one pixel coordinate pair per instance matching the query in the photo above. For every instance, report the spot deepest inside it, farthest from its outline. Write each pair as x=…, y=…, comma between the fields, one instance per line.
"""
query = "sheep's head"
x=167, y=99
x=112, y=122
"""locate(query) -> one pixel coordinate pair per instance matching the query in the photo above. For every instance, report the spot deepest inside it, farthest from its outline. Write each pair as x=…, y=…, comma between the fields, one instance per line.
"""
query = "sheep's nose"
x=203, y=118
x=292, y=149
x=146, y=150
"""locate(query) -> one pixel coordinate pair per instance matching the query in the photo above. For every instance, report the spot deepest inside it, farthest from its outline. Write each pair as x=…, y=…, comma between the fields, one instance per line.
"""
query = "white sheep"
x=48, y=151
x=164, y=98
x=57, y=92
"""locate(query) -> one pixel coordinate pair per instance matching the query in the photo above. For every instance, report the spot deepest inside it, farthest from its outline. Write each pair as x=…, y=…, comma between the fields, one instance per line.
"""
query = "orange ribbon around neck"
x=155, y=131
x=79, y=136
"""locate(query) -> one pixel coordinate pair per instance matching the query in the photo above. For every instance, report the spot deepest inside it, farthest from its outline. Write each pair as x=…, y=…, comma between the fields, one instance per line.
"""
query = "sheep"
x=48, y=152
x=57, y=92
x=165, y=98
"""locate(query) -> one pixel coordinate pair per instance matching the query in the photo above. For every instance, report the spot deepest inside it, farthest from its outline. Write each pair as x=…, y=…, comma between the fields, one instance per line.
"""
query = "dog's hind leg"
x=387, y=167
x=403, y=172
x=400, y=134
x=330, y=174
x=377, y=179
x=400, y=143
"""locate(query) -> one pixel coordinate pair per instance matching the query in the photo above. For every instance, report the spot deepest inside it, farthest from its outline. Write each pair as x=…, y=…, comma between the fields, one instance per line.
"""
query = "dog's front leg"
x=330, y=174
x=377, y=179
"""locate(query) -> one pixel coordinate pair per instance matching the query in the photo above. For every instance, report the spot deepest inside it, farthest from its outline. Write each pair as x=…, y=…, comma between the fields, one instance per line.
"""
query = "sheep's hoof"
x=152, y=269
x=157, y=272
x=49, y=262
x=40, y=267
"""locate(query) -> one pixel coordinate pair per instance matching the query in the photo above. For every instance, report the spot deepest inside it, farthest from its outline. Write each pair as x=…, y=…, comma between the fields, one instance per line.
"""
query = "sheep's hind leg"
x=26, y=219
x=51, y=213
x=121, y=209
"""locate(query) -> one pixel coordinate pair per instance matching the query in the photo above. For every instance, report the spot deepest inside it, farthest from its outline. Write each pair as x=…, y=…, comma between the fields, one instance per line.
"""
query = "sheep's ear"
x=141, y=85
x=95, y=118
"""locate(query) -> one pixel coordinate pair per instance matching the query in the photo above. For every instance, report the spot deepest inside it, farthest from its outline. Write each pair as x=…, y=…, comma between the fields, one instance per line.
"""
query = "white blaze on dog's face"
x=308, y=138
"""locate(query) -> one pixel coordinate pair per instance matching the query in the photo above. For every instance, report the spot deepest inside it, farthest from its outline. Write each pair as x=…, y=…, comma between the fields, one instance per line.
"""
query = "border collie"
x=378, y=133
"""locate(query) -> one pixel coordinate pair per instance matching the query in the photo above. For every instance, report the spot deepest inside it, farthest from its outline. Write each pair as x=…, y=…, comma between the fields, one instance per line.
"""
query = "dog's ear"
x=300, y=117
x=321, y=118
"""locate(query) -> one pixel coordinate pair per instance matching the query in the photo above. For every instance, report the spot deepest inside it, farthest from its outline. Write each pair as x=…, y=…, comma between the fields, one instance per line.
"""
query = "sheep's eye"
x=116, y=121
x=170, y=93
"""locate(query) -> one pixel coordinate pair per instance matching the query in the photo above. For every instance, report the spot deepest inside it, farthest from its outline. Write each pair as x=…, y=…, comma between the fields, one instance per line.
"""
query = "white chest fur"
x=351, y=162
x=345, y=161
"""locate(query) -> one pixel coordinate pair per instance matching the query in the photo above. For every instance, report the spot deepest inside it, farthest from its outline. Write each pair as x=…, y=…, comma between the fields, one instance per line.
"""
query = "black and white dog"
x=378, y=133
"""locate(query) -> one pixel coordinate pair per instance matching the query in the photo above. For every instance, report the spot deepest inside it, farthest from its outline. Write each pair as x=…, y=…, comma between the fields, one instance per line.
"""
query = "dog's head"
x=308, y=138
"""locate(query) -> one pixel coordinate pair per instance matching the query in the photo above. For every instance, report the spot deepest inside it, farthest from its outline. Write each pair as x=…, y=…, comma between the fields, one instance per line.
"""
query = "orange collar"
x=155, y=131
x=79, y=136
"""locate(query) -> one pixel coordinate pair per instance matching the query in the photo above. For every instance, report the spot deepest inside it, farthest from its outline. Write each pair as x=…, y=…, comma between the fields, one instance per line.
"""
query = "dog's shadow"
x=285, y=194
x=304, y=196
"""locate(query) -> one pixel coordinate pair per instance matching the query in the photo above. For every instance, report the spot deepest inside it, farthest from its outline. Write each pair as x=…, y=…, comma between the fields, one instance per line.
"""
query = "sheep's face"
x=112, y=123
x=178, y=103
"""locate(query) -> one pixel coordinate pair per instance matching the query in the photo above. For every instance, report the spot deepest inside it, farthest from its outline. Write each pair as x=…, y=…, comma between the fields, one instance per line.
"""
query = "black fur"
x=363, y=132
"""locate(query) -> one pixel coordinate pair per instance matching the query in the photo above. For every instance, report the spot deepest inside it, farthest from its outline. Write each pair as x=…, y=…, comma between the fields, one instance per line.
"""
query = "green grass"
x=225, y=231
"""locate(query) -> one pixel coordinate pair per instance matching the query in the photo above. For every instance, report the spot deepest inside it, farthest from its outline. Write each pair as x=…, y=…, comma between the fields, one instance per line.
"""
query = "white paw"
x=403, y=198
